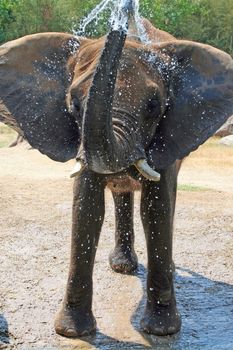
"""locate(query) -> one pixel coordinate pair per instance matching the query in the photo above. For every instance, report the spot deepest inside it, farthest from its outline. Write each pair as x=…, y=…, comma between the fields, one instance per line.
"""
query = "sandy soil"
x=35, y=207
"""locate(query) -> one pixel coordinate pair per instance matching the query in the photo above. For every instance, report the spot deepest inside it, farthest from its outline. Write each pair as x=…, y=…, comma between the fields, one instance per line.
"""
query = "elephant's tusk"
x=144, y=168
x=78, y=168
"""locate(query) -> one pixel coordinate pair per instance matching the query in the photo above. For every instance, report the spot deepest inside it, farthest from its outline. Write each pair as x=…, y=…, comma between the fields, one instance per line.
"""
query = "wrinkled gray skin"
x=110, y=102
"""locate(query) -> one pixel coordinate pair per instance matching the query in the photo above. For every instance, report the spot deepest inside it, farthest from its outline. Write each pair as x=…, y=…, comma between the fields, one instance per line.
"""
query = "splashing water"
x=94, y=15
x=118, y=18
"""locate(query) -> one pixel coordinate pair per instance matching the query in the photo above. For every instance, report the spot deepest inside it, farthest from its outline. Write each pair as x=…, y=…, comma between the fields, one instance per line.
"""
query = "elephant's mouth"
x=141, y=165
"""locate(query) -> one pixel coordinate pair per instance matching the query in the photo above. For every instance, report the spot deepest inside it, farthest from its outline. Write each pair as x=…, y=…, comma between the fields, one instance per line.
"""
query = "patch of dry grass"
x=210, y=166
x=212, y=155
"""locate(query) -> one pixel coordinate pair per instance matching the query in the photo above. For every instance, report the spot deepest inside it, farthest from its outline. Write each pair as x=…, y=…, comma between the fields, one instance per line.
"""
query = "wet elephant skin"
x=109, y=103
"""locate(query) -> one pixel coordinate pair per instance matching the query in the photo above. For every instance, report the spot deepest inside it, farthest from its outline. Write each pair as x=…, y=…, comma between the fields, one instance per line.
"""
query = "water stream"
x=118, y=17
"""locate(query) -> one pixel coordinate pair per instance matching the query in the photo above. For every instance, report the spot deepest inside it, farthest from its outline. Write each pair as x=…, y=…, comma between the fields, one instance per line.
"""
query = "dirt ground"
x=35, y=207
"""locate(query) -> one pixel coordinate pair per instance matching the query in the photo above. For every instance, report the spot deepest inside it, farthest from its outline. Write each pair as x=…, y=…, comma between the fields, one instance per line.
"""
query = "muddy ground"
x=35, y=207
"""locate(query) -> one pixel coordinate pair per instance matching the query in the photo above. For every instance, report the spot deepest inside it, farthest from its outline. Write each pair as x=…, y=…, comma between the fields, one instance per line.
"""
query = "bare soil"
x=35, y=207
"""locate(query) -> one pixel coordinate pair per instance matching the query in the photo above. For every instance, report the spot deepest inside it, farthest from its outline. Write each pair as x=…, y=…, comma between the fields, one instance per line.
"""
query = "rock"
x=227, y=141
x=226, y=129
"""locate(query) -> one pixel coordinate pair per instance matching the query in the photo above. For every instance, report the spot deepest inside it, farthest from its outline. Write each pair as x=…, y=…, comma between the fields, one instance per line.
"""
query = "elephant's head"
x=116, y=100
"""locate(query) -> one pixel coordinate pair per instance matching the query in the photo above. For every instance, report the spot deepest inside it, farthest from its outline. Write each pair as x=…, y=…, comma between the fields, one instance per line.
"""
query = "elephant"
x=128, y=112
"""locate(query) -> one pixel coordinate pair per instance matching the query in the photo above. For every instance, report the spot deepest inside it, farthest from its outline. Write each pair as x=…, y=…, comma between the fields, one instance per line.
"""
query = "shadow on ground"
x=4, y=334
x=206, y=307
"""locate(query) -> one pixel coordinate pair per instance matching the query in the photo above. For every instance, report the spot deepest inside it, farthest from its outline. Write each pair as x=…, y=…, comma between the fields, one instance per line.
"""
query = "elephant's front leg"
x=75, y=317
x=123, y=258
x=157, y=210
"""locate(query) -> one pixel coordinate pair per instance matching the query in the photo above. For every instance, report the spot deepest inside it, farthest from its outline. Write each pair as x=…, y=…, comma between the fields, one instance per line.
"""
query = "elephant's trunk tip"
x=144, y=168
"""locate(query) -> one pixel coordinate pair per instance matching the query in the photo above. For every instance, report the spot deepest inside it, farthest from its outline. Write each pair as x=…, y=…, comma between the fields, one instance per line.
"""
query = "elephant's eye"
x=154, y=106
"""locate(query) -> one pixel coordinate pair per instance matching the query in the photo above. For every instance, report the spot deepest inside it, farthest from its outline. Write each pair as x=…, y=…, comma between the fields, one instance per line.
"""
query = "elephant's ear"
x=201, y=100
x=34, y=77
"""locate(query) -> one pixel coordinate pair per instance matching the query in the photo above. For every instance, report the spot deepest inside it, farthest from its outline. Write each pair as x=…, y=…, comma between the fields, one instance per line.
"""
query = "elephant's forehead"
x=133, y=52
x=135, y=65
x=136, y=58
x=138, y=63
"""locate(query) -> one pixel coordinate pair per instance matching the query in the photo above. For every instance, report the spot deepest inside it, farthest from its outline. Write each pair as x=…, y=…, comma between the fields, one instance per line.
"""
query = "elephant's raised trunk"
x=106, y=149
x=98, y=138
x=109, y=148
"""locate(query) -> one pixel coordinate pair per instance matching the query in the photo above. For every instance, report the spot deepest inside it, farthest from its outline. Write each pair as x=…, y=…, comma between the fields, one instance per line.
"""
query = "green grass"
x=192, y=188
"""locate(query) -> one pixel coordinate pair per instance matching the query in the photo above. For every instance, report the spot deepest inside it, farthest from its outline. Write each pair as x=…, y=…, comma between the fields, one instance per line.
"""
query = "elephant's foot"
x=73, y=322
x=161, y=320
x=123, y=261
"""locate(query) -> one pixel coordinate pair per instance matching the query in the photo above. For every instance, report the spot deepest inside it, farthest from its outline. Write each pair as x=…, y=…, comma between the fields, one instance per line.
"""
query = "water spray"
x=122, y=13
